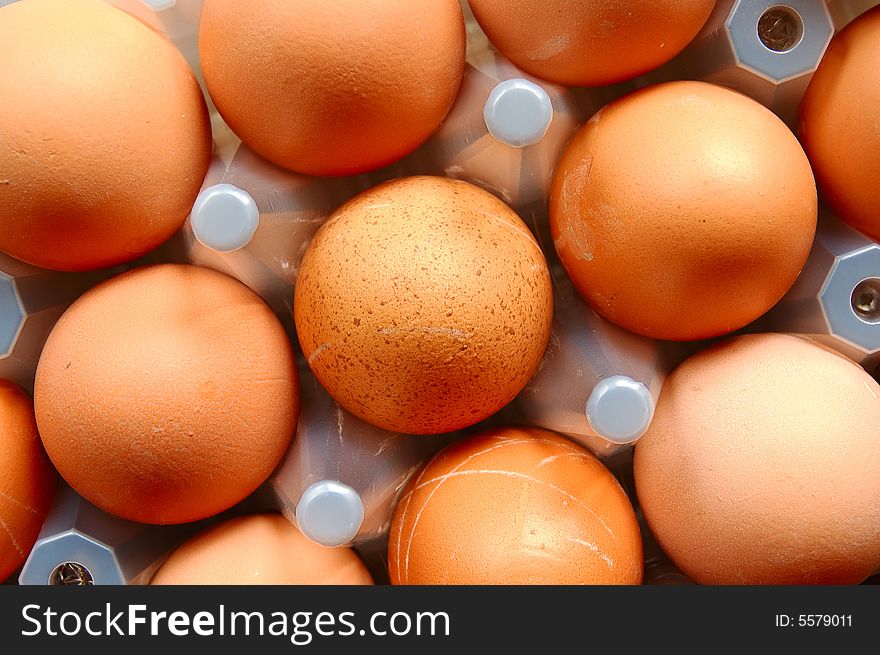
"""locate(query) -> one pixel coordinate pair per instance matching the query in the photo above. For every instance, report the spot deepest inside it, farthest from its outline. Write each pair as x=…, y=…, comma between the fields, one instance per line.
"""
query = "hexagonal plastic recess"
x=766, y=49
x=82, y=545
x=31, y=302
x=836, y=300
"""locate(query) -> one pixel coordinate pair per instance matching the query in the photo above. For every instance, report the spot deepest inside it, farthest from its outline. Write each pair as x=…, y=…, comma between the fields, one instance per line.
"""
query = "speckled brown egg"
x=167, y=394
x=760, y=466
x=423, y=305
x=840, y=124
x=333, y=88
x=514, y=506
x=590, y=42
x=263, y=549
x=104, y=135
x=683, y=211
x=27, y=479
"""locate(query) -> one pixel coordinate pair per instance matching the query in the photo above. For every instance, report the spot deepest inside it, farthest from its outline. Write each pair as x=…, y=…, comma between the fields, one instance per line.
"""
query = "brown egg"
x=840, y=124
x=333, y=88
x=107, y=142
x=167, y=394
x=590, y=42
x=27, y=479
x=263, y=549
x=515, y=506
x=683, y=211
x=423, y=305
x=761, y=465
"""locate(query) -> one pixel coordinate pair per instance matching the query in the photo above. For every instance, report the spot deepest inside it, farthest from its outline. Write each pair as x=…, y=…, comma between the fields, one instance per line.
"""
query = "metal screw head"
x=866, y=300
x=71, y=574
x=780, y=29
x=778, y=41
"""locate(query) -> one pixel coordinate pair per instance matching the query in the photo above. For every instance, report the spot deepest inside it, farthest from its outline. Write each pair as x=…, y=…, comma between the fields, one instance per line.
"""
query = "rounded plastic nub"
x=225, y=218
x=330, y=513
x=71, y=574
x=780, y=29
x=866, y=300
x=518, y=113
x=620, y=409
x=159, y=5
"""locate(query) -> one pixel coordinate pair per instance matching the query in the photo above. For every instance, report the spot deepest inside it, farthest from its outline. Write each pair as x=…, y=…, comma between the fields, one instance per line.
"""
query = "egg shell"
x=590, y=42
x=840, y=124
x=262, y=549
x=683, y=211
x=104, y=149
x=423, y=305
x=167, y=394
x=333, y=88
x=27, y=479
x=760, y=466
x=515, y=506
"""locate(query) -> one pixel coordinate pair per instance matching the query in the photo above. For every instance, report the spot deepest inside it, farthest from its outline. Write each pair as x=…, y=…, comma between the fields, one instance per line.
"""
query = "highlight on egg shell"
x=683, y=211
x=333, y=88
x=260, y=549
x=167, y=394
x=27, y=479
x=105, y=140
x=760, y=466
x=423, y=305
x=515, y=506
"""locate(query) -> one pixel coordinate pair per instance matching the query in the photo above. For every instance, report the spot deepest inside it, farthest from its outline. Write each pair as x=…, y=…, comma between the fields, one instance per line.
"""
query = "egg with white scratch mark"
x=515, y=506
x=423, y=305
x=27, y=479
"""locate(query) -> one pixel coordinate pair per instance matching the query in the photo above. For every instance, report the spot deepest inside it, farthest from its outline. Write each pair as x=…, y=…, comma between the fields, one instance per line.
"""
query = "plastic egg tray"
x=598, y=384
